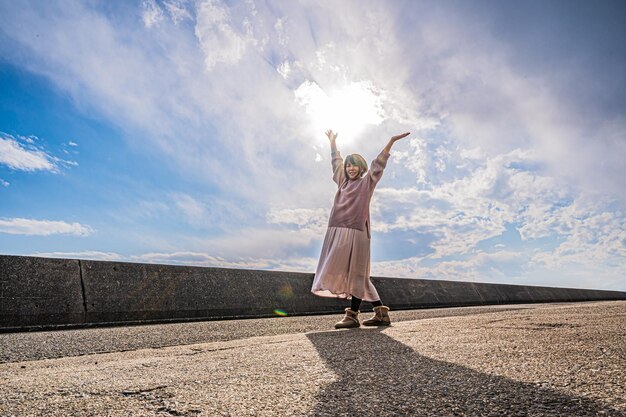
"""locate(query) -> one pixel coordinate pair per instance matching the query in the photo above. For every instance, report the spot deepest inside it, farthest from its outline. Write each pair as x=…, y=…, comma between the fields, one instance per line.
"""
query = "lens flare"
x=286, y=291
x=280, y=312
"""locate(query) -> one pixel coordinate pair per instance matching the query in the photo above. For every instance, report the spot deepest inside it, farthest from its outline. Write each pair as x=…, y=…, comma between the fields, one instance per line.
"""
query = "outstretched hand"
x=332, y=136
x=393, y=140
x=400, y=136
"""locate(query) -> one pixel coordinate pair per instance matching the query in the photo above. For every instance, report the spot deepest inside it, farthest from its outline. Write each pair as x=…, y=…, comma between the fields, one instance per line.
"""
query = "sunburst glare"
x=348, y=109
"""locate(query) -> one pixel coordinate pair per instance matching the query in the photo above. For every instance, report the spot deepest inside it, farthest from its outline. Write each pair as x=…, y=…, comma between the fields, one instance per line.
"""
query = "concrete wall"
x=52, y=292
x=36, y=291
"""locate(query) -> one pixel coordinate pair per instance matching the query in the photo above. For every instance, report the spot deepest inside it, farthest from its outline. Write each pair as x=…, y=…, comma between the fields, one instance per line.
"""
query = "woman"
x=343, y=270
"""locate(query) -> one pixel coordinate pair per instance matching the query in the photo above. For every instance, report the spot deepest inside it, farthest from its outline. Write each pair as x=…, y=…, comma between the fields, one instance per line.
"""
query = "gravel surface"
x=540, y=360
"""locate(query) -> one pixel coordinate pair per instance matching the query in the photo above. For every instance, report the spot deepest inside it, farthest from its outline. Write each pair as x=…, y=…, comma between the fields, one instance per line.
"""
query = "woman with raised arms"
x=343, y=270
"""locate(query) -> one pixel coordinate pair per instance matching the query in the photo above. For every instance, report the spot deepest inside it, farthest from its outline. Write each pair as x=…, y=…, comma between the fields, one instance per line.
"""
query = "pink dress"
x=344, y=266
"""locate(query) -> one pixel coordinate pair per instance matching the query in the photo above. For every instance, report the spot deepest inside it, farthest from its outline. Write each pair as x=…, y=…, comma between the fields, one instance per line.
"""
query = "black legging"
x=356, y=303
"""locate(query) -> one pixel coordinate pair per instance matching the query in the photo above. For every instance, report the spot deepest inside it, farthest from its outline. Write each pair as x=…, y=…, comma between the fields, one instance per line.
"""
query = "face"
x=352, y=171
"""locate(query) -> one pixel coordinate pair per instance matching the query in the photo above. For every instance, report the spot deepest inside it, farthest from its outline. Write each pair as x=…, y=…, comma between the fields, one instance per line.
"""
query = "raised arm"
x=379, y=164
x=336, y=159
x=393, y=140
x=332, y=137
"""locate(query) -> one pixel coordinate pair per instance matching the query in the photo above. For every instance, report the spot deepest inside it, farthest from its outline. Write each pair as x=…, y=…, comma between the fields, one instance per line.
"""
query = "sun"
x=348, y=109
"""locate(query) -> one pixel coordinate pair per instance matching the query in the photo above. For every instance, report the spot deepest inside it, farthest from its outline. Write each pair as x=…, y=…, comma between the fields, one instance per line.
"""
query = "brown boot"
x=351, y=319
x=381, y=317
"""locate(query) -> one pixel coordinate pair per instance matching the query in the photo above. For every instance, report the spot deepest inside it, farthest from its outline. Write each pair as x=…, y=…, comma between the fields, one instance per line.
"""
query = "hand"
x=401, y=136
x=394, y=139
x=332, y=136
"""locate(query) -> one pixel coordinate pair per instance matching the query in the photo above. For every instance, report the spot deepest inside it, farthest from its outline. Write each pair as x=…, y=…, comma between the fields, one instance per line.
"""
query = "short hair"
x=357, y=160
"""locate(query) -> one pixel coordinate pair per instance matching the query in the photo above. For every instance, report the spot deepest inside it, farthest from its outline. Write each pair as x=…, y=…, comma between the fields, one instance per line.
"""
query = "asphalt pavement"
x=539, y=360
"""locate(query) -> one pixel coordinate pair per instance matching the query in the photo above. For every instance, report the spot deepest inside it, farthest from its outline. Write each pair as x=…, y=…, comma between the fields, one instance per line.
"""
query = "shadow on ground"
x=379, y=376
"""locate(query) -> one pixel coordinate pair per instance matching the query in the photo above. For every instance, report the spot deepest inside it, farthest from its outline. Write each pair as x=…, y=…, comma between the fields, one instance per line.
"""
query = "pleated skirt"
x=344, y=266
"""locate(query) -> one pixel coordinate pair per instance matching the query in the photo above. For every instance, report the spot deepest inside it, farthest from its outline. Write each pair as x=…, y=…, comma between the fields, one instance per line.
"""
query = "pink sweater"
x=351, y=208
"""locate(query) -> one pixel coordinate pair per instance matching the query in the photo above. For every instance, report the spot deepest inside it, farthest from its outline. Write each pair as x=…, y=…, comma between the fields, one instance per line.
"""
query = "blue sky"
x=191, y=132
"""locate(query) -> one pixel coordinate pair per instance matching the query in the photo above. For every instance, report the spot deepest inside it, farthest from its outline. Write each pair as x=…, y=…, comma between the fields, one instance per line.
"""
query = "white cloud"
x=477, y=267
x=257, y=242
x=461, y=213
x=205, y=260
x=284, y=69
x=88, y=255
x=72, y=143
x=188, y=258
x=198, y=213
x=4, y=183
x=486, y=100
x=415, y=160
x=65, y=162
x=21, y=226
x=590, y=238
x=191, y=208
x=17, y=157
x=279, y=26
x=220, y=41
x=177, y=10
x=312, y=221
x=152, y=13
x=30, y=139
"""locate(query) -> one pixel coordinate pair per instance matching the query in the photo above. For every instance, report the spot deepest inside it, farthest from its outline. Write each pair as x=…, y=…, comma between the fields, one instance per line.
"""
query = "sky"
x=192, y=133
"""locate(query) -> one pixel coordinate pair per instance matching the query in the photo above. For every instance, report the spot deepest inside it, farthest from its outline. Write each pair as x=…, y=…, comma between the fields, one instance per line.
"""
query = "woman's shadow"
x=379, y=376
